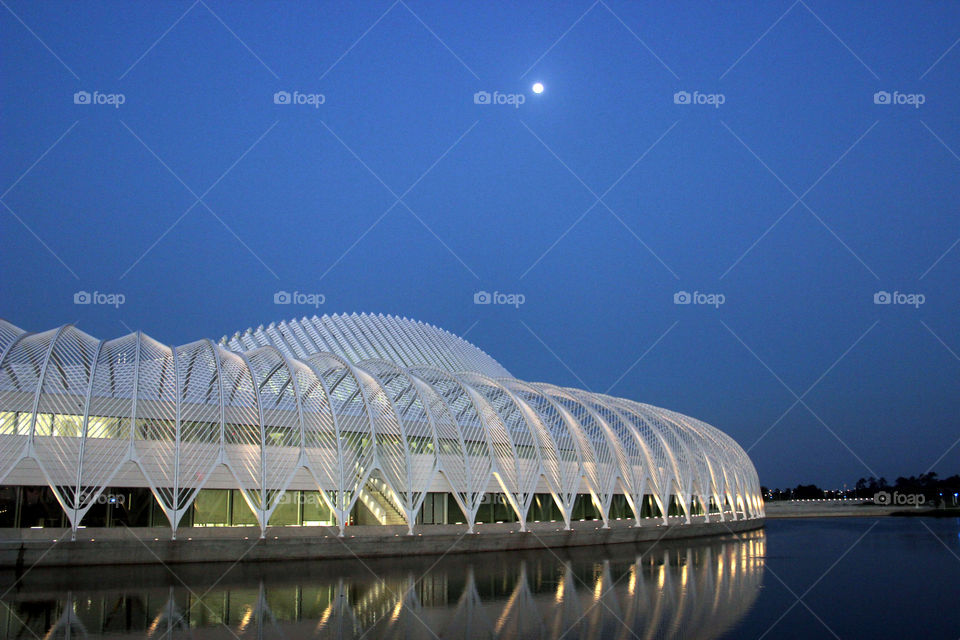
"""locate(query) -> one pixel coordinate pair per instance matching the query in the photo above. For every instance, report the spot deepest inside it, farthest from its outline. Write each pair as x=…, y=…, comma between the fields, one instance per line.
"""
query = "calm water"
x=892, y=578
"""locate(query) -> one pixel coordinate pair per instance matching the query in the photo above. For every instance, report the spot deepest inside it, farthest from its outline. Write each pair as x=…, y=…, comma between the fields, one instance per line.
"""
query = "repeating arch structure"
x=353, y=404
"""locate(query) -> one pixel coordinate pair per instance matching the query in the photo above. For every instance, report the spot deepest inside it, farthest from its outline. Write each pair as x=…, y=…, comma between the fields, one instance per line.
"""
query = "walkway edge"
x=134, y=549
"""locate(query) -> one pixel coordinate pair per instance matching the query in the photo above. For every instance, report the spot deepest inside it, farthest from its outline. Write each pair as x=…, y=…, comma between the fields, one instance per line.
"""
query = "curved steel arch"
x=83, y=409
x=526, y=434
x=481, y=454
x=570, y=445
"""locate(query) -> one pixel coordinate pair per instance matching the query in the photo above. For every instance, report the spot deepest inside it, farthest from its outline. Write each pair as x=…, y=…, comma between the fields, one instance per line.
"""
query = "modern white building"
x=357, y=419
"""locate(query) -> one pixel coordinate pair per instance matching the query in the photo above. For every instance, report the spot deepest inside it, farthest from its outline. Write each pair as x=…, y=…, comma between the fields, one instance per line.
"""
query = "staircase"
x=376, y=497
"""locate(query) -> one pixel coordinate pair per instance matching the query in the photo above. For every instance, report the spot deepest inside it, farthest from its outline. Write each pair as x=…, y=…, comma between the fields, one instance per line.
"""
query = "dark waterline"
x=866, y=578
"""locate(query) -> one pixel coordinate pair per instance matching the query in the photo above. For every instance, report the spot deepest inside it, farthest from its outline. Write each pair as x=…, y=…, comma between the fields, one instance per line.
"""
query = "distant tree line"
x=936, y=490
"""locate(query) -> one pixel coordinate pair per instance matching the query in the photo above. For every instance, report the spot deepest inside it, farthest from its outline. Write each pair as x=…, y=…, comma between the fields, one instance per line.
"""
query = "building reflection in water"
x=669, y=590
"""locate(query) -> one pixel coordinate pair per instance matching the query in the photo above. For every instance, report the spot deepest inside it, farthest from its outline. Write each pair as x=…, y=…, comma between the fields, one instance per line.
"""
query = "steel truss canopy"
x=340, y=402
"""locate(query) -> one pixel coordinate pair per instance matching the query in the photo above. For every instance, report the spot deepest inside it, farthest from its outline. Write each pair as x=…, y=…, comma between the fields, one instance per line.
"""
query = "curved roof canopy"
x=351, y=401
x=361, y=337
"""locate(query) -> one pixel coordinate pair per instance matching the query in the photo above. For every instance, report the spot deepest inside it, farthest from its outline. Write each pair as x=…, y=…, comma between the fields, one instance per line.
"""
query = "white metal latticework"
x=342, y=401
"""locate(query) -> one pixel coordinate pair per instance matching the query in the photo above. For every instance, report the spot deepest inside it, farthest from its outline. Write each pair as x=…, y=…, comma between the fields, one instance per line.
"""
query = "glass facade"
x=33, y=506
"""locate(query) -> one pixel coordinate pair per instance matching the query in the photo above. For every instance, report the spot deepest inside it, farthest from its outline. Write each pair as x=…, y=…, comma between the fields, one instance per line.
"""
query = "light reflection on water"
x=695, y=589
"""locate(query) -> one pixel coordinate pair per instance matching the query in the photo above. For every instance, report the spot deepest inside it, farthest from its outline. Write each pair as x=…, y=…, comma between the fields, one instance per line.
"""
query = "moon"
x=538, y=87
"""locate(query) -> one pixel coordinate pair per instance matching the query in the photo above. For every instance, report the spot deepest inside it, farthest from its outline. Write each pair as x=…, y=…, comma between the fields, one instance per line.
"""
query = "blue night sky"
x=797, y=199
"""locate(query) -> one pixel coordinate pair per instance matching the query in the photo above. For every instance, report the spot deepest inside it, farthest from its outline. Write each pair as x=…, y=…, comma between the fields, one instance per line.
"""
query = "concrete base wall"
x=21, y=549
